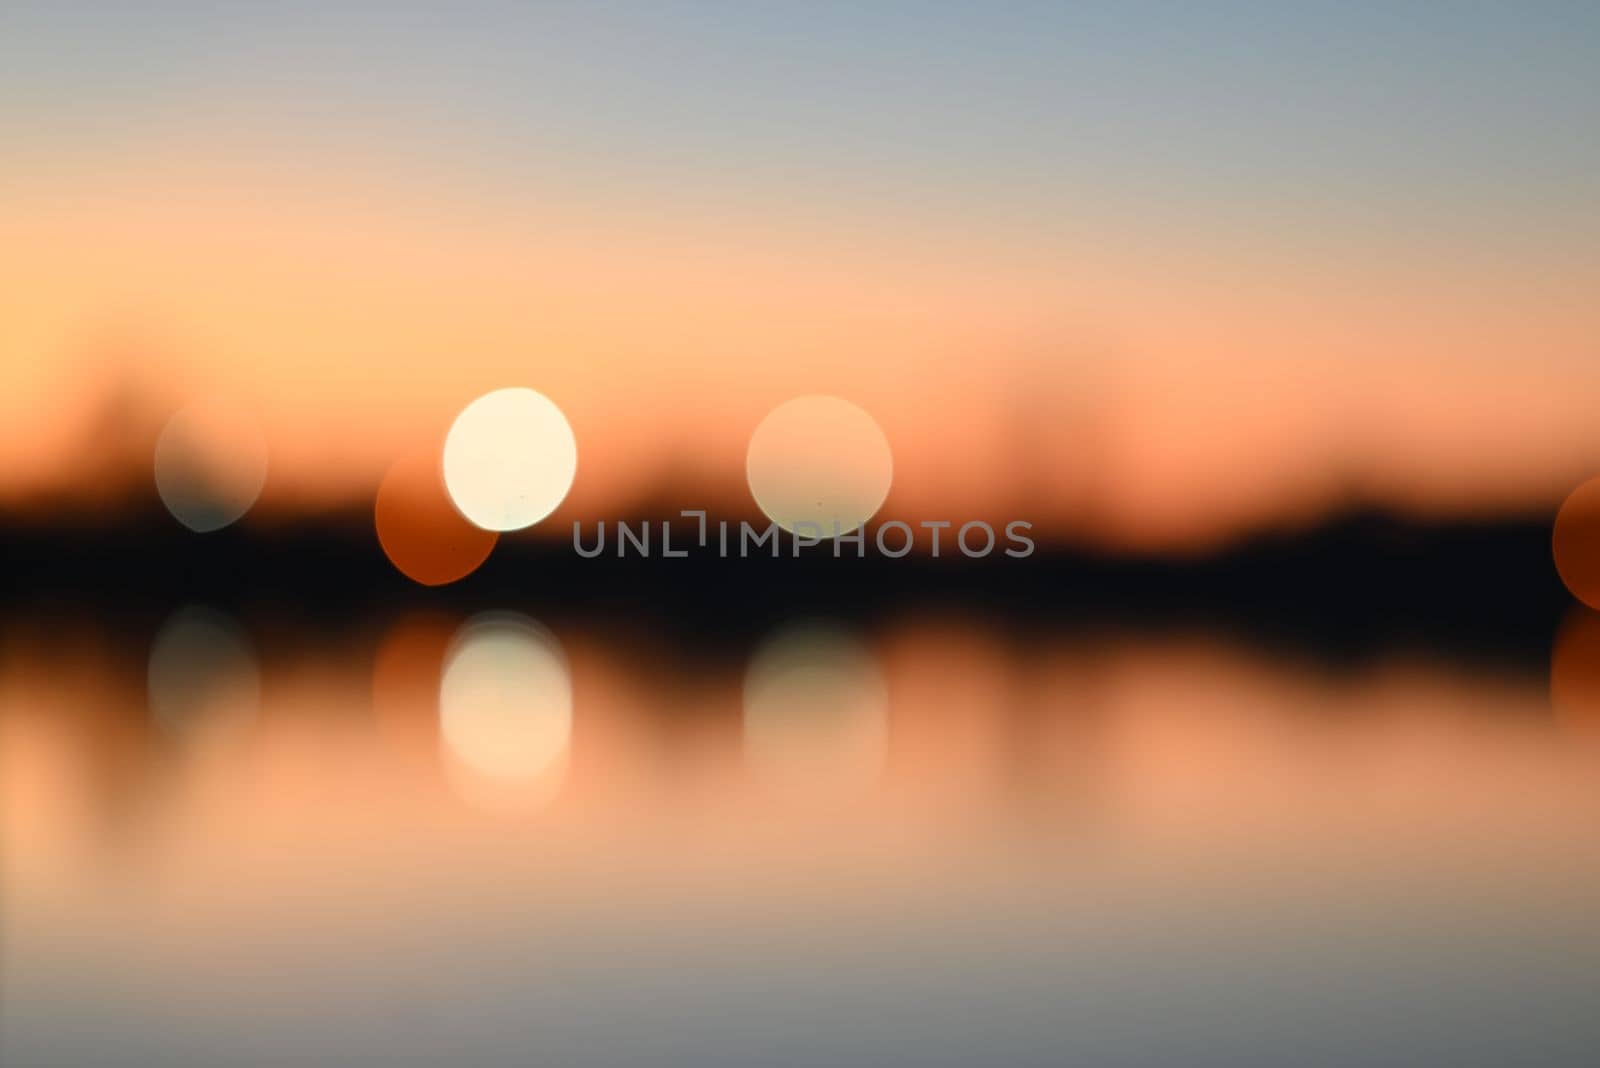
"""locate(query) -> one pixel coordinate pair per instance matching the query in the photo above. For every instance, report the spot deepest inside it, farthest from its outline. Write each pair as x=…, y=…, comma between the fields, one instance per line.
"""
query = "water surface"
x=428, y=838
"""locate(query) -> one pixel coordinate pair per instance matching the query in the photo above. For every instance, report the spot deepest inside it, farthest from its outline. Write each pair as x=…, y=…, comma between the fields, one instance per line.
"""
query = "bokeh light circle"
x=815, y=711
x=1575, y=672
x=210, y=464
x=407, y=667
x=505, y=709
x=419, y=528
x=821, y=461
x=509, y=459
x=1575, y=543
x=202, y=667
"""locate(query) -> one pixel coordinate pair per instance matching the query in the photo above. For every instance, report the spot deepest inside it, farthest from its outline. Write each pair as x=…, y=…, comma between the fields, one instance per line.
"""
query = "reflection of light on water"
x=210, y=464
x=1575, y=671
x=505, y=709
x=509, y=459
x=819, y=460
x=1201, y=798
x=202, y=668
x=815, y=710
x=406, y=670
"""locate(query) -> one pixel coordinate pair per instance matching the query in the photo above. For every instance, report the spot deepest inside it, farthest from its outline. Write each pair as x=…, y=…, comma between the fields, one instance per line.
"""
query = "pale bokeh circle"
x=202, y=669
x=509, y=459
x=505, y=709
x=820, y=461
x=210, y=464
x=815, y=711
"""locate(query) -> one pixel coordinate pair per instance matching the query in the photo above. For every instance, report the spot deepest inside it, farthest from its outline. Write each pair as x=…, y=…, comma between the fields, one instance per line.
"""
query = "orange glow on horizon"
x=1125, y=396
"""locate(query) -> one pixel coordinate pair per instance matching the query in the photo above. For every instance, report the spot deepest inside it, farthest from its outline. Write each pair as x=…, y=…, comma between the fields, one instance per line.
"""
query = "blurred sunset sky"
x=1151, y=275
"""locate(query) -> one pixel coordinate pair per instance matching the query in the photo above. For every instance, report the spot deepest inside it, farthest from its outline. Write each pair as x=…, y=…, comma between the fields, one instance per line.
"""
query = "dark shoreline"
x=1352, y=588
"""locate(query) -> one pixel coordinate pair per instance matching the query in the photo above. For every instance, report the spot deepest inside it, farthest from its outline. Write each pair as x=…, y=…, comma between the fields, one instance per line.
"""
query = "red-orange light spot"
x=405, y=679
x=1575, y=671
x=1575, y=543
x=420, y=530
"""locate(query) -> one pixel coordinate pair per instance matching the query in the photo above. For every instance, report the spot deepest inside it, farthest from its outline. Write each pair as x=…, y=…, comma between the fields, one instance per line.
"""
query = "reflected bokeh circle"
x=505, y=709
x=509, y=459
x=1575, y=672
x=407, y=667
x=819, y=461
x=210, y=464
x=815, y=711
x=202, y=667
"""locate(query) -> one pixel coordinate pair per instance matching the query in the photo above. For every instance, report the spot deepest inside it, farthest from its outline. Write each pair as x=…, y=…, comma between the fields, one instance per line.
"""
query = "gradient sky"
x=1160, y=271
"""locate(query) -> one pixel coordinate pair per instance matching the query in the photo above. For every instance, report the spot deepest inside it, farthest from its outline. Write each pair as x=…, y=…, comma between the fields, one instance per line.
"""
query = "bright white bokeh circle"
x=505, y=709
x=820, y=461
x=210, y=464
x=509, y=459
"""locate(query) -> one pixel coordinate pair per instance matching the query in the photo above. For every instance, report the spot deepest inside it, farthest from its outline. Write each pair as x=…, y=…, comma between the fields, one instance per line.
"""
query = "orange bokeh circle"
x=420, y=531
x=1575, y=671
x=1575, y=543
x=406, y=670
